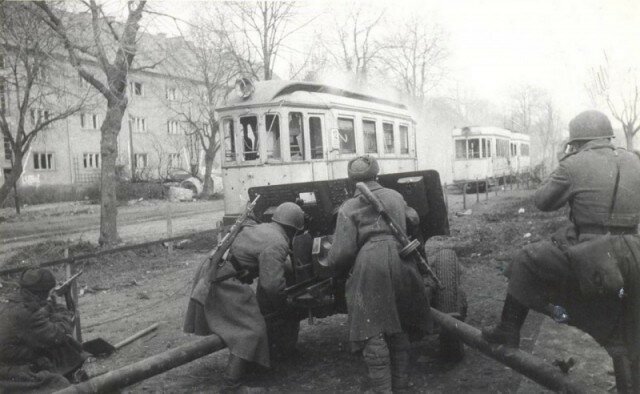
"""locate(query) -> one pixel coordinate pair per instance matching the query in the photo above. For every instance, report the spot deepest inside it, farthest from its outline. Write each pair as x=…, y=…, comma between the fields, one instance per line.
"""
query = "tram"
x=279, y=132
x=488, y=153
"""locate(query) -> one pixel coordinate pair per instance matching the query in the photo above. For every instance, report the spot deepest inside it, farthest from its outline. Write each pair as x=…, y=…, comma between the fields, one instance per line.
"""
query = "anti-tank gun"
x=316, y=290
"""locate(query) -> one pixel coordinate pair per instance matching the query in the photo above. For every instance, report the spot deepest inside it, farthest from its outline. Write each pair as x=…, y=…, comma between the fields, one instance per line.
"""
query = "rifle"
x=65, y=289
x=409, y=248
x=224, y=244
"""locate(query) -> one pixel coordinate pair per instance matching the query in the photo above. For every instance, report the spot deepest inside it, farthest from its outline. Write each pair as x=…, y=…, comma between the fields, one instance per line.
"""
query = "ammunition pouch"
x=595, y=264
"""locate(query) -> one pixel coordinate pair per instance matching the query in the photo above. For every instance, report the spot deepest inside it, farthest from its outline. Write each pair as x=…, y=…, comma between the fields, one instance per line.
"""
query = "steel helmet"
x=289, y=214
x=363, y=168
x=38, y=280
x=590, y=125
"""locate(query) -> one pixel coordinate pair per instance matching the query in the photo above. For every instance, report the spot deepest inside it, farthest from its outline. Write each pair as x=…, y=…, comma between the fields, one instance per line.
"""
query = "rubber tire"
x=451, y=299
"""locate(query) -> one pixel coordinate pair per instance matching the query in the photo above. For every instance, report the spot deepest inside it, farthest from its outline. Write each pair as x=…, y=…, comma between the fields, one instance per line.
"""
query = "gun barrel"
x=62, y=288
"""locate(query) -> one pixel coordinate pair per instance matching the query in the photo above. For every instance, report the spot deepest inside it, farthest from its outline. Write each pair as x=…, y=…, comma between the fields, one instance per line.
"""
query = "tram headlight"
x=243, y=87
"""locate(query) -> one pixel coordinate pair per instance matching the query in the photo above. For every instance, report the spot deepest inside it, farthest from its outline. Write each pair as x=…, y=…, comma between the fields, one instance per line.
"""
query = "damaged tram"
x=278, y=132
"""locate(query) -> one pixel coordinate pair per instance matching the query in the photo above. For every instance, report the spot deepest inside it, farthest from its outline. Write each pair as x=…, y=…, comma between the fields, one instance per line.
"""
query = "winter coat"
x=385, y=294
x=231, y=309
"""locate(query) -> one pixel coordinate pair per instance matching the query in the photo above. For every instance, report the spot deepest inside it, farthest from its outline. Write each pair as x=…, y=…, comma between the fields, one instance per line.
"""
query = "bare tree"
x=620, y=92
x=526, y=101
x=113, y=48
x=354, y=44
x=413, y=57
x=32, y=92
x=547, y=130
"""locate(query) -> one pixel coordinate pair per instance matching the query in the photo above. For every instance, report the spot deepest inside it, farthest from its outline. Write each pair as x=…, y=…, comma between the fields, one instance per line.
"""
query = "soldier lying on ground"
x=37, y=350
x=232, y=310
x=601, y=184
x=386, y=297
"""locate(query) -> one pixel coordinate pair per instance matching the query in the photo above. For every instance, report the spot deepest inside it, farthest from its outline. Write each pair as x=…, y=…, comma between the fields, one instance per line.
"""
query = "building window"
x=273, y=137
x=370, y=140
x=174, y=127
x=173, y=160
x=89, y=121
x=42, y=161
x=135, y=88
x=296, y=136
x=137, y=124
x=404, y=139
x=315, y=135
x=461, y=149
x=250, y=140
x=8, y=153
x=347, y=136
x=524, y=149
x=91, y=160
x=140, y=160
x=387, y=130
x=38, y=115
x=229, y=140
x=171, y=93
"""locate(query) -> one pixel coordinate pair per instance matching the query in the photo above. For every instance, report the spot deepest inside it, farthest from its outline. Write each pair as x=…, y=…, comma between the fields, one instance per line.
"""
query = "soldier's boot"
x=399, y=352
x=232, y=378
x=507, y=332
x=376, y=357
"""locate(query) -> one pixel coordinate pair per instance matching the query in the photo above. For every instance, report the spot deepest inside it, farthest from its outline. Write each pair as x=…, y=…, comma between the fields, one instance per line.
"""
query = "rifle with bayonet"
x=217, y=253
x=409, y=247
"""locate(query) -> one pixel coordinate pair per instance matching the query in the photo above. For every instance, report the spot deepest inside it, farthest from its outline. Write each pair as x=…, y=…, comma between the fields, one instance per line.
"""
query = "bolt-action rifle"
x=409, y=247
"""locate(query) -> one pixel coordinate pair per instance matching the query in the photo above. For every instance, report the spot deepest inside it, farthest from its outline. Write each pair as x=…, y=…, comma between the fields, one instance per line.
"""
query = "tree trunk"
x=108, y=182
x=629, y=138
x=207, y=189
x=12, y=181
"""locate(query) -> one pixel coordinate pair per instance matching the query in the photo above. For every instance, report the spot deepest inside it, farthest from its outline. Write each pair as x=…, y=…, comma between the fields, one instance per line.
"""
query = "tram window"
x=229, y=140
x=502, y=148
x=387, y=129
x=486, y=147
x=370, y=140
x=514, y=149
x=461, y=149
x=474, y=148
x=315, y=134
x=404, y=139
x=347, y=136
x=524, y=149
x=273, y=137
x=250, y=137
x=296, y=136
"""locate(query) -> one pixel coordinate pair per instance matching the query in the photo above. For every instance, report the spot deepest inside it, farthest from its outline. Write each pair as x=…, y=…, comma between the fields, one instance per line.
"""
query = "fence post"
x=446, y=197
x=70, y=270
x=486, y=188
x=511, y=181
x=497, y=186
x=464, y=196
x=528, y=178
x=477, y=190
x=517, y=181
x=169, y=227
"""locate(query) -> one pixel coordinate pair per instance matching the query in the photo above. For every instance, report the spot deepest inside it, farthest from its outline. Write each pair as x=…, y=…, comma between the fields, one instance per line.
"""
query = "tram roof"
x=306, y=93
x=490, y=130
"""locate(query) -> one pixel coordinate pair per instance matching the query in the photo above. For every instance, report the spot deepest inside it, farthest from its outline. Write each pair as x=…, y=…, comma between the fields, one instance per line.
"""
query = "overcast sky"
x=496, y=44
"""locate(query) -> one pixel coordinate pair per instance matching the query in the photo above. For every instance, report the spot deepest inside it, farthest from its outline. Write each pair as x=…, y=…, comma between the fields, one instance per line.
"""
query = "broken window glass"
x=315, y=134
x=273, y=137
x=296, y=136
x=250, y=141
x=370, y=140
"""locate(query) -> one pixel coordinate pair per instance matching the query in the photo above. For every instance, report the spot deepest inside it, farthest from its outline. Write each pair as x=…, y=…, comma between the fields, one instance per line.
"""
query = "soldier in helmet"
x=601, y=185
x=234, y=312
x=37, y=350
x=386, y=297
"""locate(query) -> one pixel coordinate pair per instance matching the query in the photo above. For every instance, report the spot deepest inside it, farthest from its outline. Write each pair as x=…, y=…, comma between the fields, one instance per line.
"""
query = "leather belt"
x=615, y=230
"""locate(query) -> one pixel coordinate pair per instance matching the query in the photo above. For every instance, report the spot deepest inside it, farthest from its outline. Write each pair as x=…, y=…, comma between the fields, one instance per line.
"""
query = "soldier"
x=234, y=312
x=386, y=298
x=37, y=351
x=601, y=184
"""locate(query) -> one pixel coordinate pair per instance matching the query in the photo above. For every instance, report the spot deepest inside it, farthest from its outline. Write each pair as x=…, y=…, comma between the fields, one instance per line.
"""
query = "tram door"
x=318, y=149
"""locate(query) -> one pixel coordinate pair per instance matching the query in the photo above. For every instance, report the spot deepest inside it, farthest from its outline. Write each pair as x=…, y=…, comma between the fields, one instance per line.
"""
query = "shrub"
x=42, y=194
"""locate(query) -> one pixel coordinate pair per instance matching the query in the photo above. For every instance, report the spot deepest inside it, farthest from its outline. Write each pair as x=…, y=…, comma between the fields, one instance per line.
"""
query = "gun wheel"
x=451, y=300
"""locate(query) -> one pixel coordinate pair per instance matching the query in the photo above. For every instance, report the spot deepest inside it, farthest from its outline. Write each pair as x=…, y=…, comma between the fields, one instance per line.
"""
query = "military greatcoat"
x=385, y=294
x=231, y=309
x=36, y=346
x=543, y=274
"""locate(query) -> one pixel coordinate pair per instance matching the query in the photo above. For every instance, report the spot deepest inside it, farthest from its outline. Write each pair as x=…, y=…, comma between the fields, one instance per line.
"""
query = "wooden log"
x=115, y=380
x=528, y=365
x=137, y=335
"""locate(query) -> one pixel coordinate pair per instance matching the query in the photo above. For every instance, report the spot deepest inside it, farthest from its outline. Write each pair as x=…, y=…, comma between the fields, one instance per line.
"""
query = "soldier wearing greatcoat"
x=37, y=350
x=601, y=185
x=231, y=309
x=386, y=298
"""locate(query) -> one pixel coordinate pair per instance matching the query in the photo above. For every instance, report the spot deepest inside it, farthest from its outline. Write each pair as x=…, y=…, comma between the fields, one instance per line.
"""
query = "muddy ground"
x=127, y=292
